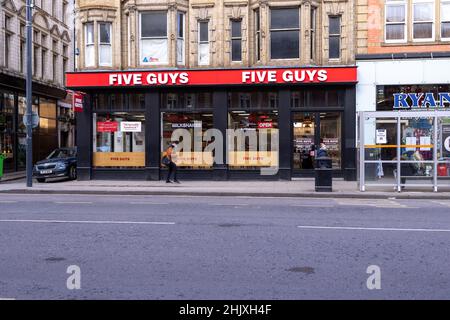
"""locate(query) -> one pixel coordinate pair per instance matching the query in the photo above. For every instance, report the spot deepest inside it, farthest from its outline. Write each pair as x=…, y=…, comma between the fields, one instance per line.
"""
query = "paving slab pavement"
x=13, y=176
x=296, y=188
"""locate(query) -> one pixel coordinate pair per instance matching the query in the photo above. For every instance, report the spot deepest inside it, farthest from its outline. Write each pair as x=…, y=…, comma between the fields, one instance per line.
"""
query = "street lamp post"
x=29, y=97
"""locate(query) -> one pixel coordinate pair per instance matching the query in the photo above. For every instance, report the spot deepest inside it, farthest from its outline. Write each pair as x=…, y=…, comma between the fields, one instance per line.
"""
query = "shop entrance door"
x=304, y=140
x=309, y=129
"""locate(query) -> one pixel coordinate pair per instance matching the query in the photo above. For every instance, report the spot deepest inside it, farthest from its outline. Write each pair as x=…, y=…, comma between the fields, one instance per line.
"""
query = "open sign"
x=265, y=125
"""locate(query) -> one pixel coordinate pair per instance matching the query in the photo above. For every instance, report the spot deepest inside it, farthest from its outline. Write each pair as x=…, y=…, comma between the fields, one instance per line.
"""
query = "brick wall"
x=370, y=31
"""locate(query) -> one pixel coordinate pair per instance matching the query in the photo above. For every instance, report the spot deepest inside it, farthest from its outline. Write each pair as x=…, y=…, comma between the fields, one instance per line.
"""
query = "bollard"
x=323, y=174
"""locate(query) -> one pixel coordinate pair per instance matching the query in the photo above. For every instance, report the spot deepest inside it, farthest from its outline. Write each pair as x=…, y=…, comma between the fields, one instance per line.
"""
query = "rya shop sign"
x=421, y=100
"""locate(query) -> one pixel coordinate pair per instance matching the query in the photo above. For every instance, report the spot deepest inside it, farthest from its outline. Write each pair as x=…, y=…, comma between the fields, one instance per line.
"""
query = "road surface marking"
x=90, y=222
x=72, y=202
x=230, y=204
x=6, y=201
x=311, y=205
x=155, y=203
x=442, y=203
x=4, y=299
x=378, y=203
x=372, y=229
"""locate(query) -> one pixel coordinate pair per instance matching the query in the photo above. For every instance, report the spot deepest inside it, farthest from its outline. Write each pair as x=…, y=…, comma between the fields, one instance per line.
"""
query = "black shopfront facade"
x=12, y=127
x=127, y=122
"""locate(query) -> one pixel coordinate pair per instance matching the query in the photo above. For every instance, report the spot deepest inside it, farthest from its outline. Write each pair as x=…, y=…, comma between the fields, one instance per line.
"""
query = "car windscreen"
x=61, y=153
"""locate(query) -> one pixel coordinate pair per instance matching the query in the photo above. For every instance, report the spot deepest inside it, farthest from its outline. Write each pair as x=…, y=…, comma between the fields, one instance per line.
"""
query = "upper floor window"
x=257, y=35
x=44, y=40
x=8, y=38
x=284, y=33
x=55, y=45
x=445, y=20
x=89, y=56
x=423, y=20
x=180, y=37
x=44, y=58
x=64, y=11
x=23, y=30
x=236, y=40
x=395, y=19
x=36, y=36
x=417, y=20
x=154, y=42
x=334, y=39
x=203, y=42
x=7, y=23
x=53, y=7
x=105, y=48
x=312, y=33
x=65, y=50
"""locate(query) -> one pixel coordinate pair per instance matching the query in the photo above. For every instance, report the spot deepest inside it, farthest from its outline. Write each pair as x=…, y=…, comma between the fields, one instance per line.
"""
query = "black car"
x=60, y=163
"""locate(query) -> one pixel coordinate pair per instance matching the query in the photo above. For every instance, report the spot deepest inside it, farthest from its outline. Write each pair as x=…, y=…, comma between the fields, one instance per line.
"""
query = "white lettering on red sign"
x=287, y=76
x=259, y=76
x=265, y=125
x=132, y=79
x=77, y=102
x=305, y=76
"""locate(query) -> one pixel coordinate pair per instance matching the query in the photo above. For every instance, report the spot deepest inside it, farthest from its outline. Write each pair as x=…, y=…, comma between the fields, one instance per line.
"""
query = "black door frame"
x=299, y=173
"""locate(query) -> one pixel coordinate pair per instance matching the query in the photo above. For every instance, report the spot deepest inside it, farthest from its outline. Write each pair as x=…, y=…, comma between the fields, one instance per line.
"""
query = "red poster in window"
x=77, y=102
x=107, y=126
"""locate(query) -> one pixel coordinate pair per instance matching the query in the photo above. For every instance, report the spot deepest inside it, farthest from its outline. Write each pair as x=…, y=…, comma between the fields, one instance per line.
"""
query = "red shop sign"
x=212, y=77
x=77, y=102
x=107, y=126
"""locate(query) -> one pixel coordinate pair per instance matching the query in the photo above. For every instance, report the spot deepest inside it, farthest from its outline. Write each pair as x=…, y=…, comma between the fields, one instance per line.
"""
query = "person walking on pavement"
x=168, y=162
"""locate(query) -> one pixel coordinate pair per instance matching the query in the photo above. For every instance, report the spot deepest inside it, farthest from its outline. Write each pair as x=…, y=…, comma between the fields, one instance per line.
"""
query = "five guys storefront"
x=129, y=117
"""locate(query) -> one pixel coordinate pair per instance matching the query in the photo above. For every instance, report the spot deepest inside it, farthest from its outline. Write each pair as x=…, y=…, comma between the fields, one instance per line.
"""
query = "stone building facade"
x=124, y=16
x=52, y=57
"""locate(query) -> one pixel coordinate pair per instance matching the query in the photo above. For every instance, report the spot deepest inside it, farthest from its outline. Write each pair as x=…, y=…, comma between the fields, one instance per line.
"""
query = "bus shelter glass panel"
x=416, y=150
x=380, y=141
x=404, y=149
x=443, y=151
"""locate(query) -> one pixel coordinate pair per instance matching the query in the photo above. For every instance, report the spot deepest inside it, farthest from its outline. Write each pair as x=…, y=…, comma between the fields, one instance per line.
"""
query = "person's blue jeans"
x=172, y=170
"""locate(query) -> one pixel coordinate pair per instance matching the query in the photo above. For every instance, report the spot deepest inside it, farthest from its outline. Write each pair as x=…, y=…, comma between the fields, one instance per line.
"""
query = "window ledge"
x=413, y=43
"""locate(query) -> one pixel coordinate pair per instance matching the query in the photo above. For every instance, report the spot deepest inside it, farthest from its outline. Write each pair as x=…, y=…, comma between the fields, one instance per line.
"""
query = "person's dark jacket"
x=321, y=153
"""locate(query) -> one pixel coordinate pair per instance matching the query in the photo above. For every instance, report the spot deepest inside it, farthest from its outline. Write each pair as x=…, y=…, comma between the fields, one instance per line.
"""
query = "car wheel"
x=73, y=173
x=40, y=180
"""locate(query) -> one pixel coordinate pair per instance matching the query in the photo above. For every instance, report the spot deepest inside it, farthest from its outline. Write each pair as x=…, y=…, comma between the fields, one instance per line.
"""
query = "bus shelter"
x=404, y=149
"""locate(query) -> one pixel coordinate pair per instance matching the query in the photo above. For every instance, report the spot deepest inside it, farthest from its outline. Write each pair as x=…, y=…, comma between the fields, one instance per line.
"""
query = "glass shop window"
x=119, y=140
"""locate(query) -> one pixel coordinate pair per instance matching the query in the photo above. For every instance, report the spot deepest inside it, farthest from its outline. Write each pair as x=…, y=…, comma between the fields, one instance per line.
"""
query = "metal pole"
x=435, y=145
x=29, y=97
x=399, y=153
x=74, y=55
x=362, y=164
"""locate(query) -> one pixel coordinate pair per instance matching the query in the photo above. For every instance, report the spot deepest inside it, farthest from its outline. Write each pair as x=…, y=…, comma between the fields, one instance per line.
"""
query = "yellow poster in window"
x=193, y=159
x=253, y=158
x=119, y=159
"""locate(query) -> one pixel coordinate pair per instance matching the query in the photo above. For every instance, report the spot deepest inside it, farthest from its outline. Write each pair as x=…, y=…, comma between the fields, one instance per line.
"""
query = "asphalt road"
x=135, y=247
